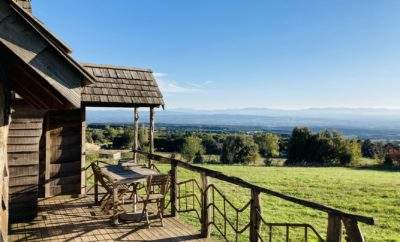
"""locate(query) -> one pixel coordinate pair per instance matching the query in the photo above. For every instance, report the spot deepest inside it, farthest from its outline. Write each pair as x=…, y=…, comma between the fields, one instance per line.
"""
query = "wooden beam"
x=47, y=167
x=255, y=215
x=135, y=132
x=151, y=130
x=83, y=150
x=334, y=231
x=174, y=188
x=353, y=231
x=205, y=209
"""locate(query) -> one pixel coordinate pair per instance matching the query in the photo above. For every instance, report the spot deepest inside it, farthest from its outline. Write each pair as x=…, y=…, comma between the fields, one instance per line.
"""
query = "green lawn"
x=367, y=192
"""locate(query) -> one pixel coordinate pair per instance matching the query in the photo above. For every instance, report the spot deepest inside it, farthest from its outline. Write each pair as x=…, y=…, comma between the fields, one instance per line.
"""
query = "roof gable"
x=42, y=54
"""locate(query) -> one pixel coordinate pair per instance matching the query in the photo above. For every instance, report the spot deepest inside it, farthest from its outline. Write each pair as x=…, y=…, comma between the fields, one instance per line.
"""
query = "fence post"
x=96, y=187
x=334, y=232
x=205, y=215
x=353, y=232
x=255, y=215
x=173, y=193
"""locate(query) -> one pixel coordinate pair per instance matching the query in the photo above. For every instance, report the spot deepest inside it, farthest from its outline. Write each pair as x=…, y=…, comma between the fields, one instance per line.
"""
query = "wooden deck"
x=75, y=219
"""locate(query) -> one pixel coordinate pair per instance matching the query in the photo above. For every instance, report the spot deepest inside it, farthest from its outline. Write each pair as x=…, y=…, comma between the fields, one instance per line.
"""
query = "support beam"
x=47, y=167
x=135, y=132
x=151, y=130
x=334, y=232
x=353, y=231
x=83, y=151
x=205, y=209
x=174, y=188
x=255, y=215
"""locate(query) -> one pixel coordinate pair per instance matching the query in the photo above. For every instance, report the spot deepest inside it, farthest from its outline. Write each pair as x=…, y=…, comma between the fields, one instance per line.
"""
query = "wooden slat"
x=23, y=148
x=23, y=140
x=65, y=155
x=22, y=171
x=23, y=159
x=24, y=181
x=25, y=133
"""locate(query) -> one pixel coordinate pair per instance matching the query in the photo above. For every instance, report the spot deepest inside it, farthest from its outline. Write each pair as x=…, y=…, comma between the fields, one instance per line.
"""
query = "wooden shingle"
x=121, y=87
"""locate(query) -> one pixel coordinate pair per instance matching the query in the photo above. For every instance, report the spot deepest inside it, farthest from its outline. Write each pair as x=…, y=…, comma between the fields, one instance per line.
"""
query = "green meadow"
x=367, y=192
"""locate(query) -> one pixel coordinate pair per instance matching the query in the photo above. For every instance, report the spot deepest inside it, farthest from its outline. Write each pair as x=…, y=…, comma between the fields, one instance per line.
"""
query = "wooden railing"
x=189, y=201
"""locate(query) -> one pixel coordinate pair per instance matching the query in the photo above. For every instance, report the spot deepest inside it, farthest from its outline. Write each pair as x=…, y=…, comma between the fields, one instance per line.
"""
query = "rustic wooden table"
x=122, y=176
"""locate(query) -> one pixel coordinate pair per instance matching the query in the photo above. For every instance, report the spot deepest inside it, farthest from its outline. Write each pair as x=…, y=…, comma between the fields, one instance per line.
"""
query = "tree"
x=298, y=145
x=239, y=149
x=211, y=146
x=123, y=140
x=268, y=144
x=367, y=149
x=191, y=147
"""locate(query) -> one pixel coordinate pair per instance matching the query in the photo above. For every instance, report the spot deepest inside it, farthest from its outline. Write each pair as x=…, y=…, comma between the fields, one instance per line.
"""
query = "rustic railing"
x=184, y=198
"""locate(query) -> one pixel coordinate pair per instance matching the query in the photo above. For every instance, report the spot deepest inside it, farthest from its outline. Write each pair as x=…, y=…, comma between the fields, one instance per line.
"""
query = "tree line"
x=302, y=147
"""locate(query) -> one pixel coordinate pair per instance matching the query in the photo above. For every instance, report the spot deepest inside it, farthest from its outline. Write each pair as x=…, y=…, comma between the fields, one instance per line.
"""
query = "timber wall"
x=4, y=174
x=63, y=153
x=23, y=155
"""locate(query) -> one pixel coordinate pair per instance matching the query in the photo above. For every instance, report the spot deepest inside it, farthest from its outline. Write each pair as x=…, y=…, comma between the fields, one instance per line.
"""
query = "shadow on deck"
x=65, y=218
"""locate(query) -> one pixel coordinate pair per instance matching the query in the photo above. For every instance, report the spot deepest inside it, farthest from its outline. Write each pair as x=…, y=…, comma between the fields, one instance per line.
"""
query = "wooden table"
x=120, y=177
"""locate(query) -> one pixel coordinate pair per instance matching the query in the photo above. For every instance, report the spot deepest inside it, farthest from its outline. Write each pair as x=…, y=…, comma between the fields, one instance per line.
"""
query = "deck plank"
x=65, y=218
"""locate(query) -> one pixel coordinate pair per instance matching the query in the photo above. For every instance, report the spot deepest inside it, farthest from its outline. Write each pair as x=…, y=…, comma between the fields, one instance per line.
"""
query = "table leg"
x=134, y=190
x=96, y=191
x=115, y=205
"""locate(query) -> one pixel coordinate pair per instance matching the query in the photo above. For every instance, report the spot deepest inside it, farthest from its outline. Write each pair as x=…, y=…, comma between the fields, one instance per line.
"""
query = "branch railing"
x=185, y=196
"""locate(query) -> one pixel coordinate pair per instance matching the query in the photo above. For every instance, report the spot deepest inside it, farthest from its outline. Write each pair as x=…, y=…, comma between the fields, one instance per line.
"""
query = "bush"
x=198, y=158
x=239, y=149
x=268, y=144
x=392, y=157
x=191, y=147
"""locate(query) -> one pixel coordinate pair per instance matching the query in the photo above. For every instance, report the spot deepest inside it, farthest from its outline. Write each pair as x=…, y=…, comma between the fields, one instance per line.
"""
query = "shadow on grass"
x=378, y=167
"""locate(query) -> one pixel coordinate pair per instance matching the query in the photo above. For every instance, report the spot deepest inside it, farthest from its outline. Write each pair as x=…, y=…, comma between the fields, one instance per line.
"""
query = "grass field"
x=367, y=192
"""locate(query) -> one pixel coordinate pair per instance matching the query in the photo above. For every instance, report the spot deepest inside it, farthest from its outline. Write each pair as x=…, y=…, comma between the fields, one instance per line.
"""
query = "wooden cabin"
x=42, y=148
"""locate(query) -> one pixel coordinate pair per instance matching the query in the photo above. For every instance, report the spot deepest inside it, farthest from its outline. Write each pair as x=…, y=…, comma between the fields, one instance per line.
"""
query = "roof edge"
x=53, y=41
x=116, y=67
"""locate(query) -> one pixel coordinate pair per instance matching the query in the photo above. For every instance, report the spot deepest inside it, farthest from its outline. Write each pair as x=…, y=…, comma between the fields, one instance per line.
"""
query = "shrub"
x=268, y=144
x=239, y=149
x=191, y=147
x=392, y=157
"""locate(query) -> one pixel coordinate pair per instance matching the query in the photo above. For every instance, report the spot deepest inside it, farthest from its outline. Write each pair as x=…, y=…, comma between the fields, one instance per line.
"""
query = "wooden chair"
x=106, y=202
x=156, y=190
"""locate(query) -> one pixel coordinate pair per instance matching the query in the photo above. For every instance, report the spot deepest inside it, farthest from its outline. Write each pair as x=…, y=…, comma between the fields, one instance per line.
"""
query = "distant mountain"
x=262, y=117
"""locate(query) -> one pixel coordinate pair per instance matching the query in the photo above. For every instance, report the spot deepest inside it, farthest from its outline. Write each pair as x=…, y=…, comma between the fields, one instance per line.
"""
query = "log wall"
x=24, y=137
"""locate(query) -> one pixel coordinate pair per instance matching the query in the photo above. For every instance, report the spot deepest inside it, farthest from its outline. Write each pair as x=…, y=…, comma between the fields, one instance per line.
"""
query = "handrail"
x=240, y=182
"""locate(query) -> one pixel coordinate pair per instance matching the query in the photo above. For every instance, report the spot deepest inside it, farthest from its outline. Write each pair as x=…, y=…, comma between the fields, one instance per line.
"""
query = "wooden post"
x=83, y=151
x=151, y=133
x=96, y=188
x=135, y=132
x=205, y=214
x=47, y=167
x=255, y=215
x=334, y=232
x=173, y=193
x=353, y=231
x=115, y=205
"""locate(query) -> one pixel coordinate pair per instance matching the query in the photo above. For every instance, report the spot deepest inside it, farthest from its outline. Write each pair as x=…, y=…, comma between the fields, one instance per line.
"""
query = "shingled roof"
x=121, y=87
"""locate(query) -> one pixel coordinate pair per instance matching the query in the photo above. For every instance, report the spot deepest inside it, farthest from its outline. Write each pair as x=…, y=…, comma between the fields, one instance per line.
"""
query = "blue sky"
x=236, y=54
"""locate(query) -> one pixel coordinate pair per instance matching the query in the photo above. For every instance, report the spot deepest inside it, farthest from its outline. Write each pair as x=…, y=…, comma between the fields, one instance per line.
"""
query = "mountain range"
x=370, y=118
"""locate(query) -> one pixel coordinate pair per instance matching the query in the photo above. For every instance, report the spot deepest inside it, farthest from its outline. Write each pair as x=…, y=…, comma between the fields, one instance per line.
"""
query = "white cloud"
x=170, y=86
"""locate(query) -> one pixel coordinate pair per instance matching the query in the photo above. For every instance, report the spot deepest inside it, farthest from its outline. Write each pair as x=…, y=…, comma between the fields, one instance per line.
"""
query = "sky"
x=222, y=54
